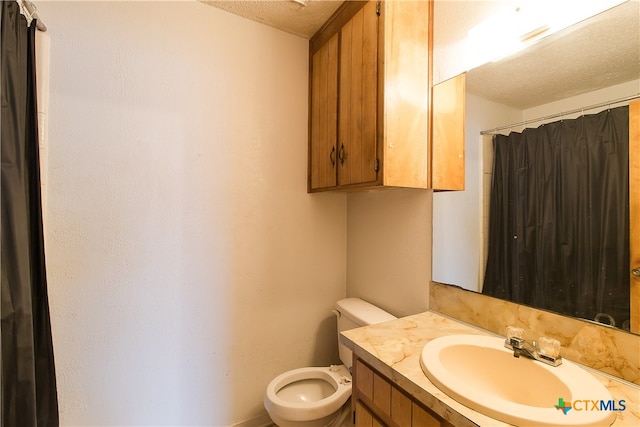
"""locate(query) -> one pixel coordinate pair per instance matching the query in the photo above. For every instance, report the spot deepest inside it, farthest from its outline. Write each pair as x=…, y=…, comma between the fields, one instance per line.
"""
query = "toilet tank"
x=354, y=313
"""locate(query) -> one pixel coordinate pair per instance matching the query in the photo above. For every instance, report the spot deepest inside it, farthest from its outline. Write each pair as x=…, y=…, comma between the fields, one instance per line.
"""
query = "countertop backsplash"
x=605, y=349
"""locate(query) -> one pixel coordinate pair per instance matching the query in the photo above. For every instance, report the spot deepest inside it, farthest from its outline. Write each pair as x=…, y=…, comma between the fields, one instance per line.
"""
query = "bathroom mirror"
x=588, y=63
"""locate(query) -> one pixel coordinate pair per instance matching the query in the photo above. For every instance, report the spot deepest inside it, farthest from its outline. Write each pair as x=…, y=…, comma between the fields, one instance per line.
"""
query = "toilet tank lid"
x=362, y=312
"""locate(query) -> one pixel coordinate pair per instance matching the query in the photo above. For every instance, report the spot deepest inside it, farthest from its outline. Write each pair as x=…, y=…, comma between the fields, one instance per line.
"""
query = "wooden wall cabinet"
x=376, y=401
x=370, y=98
x=447, y=149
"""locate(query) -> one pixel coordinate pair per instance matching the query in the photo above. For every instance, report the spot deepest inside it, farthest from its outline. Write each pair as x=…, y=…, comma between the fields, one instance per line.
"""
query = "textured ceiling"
x=596, y=53
x=287, y=15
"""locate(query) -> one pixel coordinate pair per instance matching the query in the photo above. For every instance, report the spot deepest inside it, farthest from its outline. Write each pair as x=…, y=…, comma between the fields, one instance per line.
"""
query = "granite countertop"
x=394, y=348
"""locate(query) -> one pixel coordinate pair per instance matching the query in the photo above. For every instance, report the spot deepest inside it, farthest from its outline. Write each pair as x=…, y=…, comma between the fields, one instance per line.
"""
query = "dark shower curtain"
x=29, y=396
x=559, y=217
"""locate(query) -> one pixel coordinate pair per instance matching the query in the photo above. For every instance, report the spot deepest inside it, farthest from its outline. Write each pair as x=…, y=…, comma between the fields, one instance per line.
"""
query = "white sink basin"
x=480, y=373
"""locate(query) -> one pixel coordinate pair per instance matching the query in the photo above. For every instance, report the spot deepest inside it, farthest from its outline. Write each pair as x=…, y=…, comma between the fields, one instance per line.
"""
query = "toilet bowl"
x=319, y=396
x=311, y=397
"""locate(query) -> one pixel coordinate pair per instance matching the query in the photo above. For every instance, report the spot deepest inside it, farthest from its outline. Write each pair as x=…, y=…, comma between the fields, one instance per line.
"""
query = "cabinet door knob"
x=332, y=156
x=636, y=271
x=341, y=154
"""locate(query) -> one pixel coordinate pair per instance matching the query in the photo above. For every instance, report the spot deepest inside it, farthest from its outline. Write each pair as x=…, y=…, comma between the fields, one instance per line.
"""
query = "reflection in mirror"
x=592, y=62
x=559, y=218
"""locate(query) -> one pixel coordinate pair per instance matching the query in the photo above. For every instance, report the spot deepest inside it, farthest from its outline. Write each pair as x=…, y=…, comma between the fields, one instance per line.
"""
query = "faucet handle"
x=549, y=347
x=514, y=332
x=515, y=339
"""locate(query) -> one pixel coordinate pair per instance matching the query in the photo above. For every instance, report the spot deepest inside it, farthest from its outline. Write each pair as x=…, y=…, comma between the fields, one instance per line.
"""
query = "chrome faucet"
x=547, y=353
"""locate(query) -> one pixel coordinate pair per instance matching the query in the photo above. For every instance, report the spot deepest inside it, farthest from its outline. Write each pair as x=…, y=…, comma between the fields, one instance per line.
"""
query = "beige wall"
x=187, y=264
x=389, y=249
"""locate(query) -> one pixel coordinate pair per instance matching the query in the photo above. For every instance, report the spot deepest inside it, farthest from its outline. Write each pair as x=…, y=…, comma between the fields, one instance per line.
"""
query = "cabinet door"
x=357, y=135
x=364, y=418
x=406, y=94
x=447, y=144
x=324, y=116
x=423, y=418
x=363, y=379
x=400, y=408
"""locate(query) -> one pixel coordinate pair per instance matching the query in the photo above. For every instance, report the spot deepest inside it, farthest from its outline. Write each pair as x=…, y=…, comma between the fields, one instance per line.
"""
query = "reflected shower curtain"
x=559, y=217
x=29, y=395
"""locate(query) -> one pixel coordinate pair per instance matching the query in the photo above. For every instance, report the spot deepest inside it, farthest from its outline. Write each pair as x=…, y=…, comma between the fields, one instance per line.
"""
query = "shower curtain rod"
x=29, y=10
x=564, y=113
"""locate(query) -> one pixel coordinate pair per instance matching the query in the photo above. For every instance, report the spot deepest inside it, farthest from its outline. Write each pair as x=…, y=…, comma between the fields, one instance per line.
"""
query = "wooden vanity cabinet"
x=370, y=98
x=376, y=401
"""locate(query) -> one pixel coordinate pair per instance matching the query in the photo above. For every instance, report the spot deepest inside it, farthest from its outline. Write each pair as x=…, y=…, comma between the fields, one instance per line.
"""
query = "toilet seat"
x=289, y=407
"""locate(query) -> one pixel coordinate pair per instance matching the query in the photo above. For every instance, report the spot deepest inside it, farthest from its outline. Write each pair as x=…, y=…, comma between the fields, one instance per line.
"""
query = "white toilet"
x=317, y=397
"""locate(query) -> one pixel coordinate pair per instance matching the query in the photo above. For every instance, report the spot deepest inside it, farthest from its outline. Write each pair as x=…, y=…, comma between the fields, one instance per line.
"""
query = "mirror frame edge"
x=634, y=213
